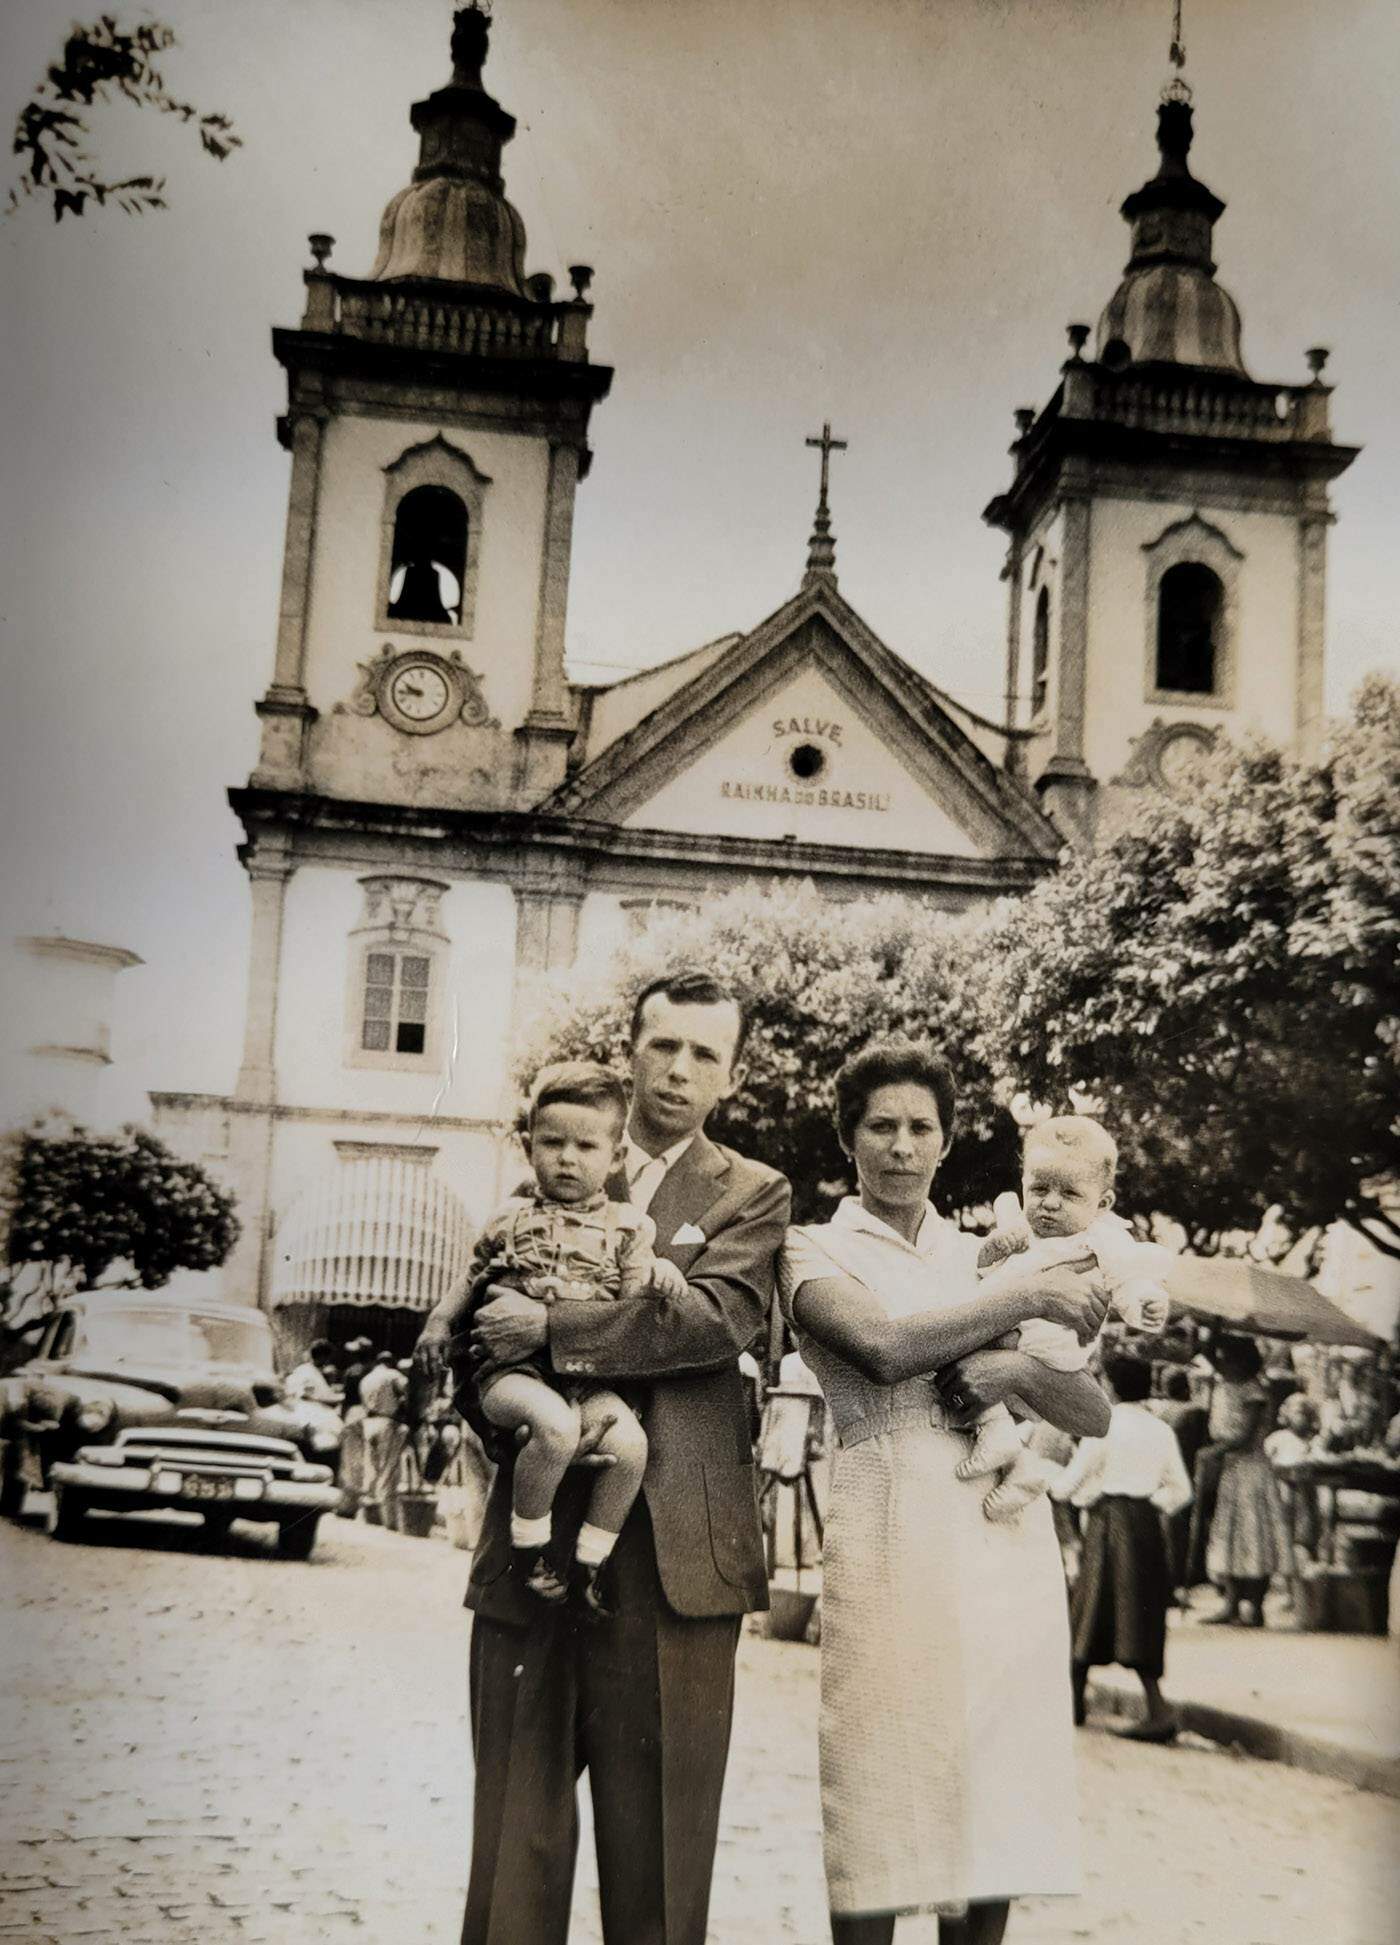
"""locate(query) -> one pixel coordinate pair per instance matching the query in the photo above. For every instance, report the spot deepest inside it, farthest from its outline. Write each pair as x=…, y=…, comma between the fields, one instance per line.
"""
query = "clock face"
x=418, y=696
x=1178, y=756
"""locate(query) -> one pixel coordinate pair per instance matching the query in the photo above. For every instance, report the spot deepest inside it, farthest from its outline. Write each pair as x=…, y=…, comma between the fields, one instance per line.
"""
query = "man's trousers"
x=644, y=1703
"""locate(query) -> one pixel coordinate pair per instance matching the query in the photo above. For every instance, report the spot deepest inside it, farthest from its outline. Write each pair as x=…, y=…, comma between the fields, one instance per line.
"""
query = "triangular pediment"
x=809, y=728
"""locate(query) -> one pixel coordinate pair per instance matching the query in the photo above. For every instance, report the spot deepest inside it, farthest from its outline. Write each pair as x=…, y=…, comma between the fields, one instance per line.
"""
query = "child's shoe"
x=997, y=1444
x=1022, y=1483
x=589, y=1591
x=530, y=1566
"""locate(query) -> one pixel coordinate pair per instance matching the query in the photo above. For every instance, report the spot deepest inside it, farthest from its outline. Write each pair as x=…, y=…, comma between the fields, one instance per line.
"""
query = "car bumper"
x=128, y=1488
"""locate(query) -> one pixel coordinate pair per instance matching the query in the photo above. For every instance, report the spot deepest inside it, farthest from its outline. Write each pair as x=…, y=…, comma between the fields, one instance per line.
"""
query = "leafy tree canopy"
x=1223, y=975
x=99, y=64
x=84, y=1204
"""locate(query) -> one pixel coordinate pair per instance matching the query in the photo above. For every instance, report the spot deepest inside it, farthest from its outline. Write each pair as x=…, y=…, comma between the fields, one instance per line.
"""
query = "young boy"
x=1068, y=1167
x=564, y=1242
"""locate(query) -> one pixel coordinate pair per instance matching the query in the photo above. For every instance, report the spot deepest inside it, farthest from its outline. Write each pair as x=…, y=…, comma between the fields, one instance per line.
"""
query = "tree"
x=1223, y=974
x=51, y=128
x=85, y=1206
x=821, y=983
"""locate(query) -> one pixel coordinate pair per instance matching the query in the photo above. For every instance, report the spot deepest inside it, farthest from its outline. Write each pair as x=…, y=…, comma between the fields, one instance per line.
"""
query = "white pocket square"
x=688, y=1232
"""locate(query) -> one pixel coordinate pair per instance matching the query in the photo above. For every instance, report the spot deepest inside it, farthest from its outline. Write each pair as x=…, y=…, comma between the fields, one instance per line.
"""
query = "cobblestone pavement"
x=237, y=1748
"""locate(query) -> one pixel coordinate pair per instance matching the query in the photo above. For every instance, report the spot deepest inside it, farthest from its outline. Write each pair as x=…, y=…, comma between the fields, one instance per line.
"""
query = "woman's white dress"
x=946, y=1739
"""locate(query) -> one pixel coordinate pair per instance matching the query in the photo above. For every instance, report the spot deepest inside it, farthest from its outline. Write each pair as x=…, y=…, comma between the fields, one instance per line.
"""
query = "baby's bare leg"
x=519, y=1399
x=616, y=1487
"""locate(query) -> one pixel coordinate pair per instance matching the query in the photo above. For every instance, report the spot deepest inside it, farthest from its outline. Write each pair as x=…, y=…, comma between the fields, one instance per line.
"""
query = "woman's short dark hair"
x=889, y=1063
x=690, y=986
x=1130, y=1377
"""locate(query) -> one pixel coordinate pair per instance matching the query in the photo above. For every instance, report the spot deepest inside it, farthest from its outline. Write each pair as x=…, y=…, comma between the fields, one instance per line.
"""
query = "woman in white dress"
x=946, y=1733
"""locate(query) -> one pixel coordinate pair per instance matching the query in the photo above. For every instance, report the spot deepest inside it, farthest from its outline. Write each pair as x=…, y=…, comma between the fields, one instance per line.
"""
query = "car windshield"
x=159, y=1336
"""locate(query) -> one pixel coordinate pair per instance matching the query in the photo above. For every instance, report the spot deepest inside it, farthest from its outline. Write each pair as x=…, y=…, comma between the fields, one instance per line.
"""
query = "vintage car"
x=133, y=1404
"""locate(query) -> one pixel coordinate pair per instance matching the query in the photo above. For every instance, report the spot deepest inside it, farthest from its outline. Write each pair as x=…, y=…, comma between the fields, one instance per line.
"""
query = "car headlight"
x=95, y=1414
x=324, y=1438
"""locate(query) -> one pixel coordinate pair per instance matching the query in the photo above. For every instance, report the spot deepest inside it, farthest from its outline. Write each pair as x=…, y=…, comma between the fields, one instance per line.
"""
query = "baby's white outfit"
x=1132, y=1272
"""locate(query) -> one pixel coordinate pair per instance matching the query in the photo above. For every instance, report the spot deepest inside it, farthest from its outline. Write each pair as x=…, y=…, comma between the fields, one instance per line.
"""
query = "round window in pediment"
x=806, y=762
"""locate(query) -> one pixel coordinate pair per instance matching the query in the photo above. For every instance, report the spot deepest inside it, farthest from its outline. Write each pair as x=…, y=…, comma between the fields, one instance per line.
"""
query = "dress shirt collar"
x=635, y=1158
x=851, y=1213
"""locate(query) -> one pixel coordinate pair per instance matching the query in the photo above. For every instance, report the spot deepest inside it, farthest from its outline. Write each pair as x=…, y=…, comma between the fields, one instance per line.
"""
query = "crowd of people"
x=399, y=1432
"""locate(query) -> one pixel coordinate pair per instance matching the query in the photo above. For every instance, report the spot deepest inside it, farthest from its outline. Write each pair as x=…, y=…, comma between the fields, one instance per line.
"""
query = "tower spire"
x=821, y=547
x=452, y=224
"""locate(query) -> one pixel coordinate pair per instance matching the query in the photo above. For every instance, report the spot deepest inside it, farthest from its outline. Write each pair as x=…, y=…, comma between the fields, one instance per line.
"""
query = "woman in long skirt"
x=1128, y=1484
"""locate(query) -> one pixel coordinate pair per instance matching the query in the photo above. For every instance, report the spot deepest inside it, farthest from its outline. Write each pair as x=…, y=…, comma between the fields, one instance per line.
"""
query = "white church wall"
x=320, y=993
x=860, y=791
x=1122, y=633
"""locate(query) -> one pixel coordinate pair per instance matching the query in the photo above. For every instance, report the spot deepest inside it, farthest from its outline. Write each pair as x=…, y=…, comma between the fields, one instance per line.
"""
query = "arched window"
x=1040, y=654
x=1190, y=600
x=430, y=541
x=1190, y=613
x=429, y=559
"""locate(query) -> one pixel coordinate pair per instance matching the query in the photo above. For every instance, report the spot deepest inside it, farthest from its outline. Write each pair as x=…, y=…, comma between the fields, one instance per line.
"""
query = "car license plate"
x=199, y=1486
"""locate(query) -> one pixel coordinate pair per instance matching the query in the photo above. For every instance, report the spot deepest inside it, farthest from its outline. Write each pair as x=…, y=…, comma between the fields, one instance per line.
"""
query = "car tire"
x=297, y=1538
x=13, y=1492
x=68, y=1520
x=216, y=1529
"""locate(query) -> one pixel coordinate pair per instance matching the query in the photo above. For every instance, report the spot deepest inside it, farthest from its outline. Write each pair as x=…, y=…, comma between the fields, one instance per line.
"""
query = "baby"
x=566, y=1242
x=1068, y=1166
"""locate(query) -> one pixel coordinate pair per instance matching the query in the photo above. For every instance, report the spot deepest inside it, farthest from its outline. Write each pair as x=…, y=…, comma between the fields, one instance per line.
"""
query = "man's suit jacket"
x=720, y=1218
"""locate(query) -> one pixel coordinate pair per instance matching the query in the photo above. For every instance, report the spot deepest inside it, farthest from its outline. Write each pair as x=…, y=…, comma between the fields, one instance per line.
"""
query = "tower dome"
x=1169, y=308
x=453, y=223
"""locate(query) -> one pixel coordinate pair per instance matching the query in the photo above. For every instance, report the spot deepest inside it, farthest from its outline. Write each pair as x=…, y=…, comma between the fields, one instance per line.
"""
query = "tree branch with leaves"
x=93, y=1212
x=99, y=64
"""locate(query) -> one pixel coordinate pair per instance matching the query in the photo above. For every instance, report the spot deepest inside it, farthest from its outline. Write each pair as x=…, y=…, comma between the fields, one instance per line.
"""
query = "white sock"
x=530, y=1533
x=595, y=1543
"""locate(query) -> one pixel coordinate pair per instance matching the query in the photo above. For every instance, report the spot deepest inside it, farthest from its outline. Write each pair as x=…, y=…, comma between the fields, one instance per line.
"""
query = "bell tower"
x=437, y=418
x=1167, y=525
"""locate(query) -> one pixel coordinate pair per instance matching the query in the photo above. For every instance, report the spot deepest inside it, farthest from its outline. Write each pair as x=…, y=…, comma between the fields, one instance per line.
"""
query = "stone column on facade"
x=1066, y=784
x=284, y=710
x=546, y=938
x=549, y=893
x=548, y=729
x=1312, y=616
x=269, y=868
x=251, y=1124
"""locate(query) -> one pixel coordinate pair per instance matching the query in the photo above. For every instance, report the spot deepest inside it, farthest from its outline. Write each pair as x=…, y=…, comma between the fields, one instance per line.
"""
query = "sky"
x=877, y=212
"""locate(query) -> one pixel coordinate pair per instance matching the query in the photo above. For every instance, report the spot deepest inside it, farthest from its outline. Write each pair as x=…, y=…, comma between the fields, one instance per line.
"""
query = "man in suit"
x=642, y=1700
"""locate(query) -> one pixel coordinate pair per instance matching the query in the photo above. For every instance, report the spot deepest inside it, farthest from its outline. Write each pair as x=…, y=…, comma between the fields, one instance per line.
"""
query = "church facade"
x=437, y=810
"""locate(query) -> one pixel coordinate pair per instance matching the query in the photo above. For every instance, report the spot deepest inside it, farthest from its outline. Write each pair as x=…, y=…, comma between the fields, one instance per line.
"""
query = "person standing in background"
x=1128, y=1484
x=1188, y=1420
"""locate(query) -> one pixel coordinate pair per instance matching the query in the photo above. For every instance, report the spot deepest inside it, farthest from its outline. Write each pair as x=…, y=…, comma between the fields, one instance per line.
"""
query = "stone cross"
x=828, y=446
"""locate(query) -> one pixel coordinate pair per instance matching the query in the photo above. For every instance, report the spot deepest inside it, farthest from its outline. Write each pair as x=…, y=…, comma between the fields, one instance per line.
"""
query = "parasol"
x=1265, y=1303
